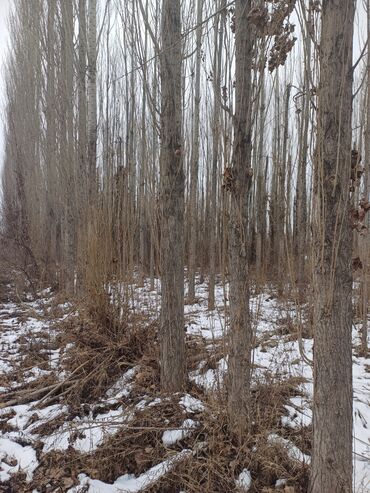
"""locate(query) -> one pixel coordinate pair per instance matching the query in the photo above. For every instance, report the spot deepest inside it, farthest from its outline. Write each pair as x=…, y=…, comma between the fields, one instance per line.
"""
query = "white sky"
x=4, y=9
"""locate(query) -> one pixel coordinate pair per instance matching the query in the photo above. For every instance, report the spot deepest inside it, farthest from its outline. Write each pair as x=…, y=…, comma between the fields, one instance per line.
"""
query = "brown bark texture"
x=332, y=406
x=172, y=181
x=240, y=334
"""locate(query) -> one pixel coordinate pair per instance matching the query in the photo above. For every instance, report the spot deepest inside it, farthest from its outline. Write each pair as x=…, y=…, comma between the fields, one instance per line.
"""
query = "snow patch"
x=128, y=483
x=24, y=459
x=84, y=434
x=191, y=404
x=244, y=481
x=170, y=437
x=293, y=451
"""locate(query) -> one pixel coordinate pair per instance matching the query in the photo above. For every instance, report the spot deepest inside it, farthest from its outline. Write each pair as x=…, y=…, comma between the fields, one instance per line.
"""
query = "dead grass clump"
x=270, y=396
x=219, y=458
x=58, y=471
x=300, y=436
x=17, y=483
x=106, y=341
x=36, y=353
x=138, y=445
x=147, y=378
x=216, y=458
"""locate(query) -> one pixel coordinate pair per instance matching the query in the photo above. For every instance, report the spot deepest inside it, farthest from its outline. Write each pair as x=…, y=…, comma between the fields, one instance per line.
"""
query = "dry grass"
x=217, y=458
x=108, y=340
x=102, y=342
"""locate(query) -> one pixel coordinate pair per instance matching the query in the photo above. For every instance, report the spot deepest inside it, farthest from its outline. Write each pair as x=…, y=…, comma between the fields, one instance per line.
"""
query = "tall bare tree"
x=216, y=131
x=240, y=337
x=194, y=165
x=92, y=109
x=365, y=243
x=51, y=146
x=172, y=340
x=301, y=196
x=332, y=405
x=67, y=145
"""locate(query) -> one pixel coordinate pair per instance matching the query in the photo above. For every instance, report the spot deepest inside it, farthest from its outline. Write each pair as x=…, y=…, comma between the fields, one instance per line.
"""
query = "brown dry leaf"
x=68, y=482
x=145, y=376
x=259, y=16
x=361, y=214
x=55, y=473
x=140, y=457
x=365, y=204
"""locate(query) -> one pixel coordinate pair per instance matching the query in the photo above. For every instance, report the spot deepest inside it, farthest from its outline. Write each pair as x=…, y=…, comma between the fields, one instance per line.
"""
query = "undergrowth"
x=101, y=341
x=106, y=340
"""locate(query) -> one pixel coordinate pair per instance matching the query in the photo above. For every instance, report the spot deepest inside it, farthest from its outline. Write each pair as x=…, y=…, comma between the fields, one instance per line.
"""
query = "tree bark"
x=172, y=342
x=82, y=171
x=194, y=165
x=51, y=147
x=216, y=131
x=67, y=152
x=332, y=406
x=92, y=110
x=365, y=278
x=301, y=197
x=240, y=335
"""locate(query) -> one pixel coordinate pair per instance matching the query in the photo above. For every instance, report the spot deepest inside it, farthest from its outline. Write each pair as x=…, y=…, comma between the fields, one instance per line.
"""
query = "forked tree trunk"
x=172, y=342
x=240, y=335
x=332, y=406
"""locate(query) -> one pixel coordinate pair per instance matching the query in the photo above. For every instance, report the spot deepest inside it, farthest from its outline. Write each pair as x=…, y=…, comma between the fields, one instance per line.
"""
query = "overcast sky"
x=4, y=9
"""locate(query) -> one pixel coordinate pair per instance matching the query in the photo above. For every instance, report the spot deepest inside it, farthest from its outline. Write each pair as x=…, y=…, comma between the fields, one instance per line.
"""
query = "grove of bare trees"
x=202, y=140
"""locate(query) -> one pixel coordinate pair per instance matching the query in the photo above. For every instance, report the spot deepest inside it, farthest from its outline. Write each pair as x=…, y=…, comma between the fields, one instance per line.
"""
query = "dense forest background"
x=201, y=141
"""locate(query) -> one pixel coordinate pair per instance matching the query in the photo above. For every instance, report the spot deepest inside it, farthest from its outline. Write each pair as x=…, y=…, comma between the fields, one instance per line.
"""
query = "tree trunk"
x=51, y=148
x=143, y=175
x=301, y=198
x=194, y=165
x=332, y=406
x=240, y=335
x=217, y=58
x=82, y=171
x=92, y=111
x=261, y=196
x=282, y=205
x=172, y=341
x=67, y=153
x=365, y=279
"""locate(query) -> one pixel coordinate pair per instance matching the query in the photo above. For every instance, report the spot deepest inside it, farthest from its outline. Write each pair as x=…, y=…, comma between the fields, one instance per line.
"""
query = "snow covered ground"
x=279, y=352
